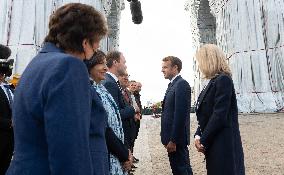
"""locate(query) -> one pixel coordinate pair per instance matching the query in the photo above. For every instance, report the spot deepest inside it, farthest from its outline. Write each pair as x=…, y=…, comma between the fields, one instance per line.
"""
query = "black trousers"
x=129, y=132
x=179, y=161
x=6, y=150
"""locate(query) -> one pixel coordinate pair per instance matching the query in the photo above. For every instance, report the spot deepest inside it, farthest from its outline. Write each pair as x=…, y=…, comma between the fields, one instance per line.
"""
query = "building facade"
x=251, y=33
x=24, y=24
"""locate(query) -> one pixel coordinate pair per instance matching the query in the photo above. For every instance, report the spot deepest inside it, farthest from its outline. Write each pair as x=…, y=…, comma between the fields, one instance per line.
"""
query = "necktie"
x=10, y=99
x=126, y=97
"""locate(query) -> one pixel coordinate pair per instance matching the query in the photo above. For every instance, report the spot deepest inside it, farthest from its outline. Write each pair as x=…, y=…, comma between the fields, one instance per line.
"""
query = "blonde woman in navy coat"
x=218, y=135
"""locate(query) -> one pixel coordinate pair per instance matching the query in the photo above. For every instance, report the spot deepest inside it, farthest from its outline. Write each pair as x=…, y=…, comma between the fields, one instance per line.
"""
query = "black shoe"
x=133, y=166
x=135, y=160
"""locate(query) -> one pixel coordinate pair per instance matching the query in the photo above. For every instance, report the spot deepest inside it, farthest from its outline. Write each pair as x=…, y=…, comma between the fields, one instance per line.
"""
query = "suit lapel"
x=203, y=93
x=110, y=77
x=175, y=80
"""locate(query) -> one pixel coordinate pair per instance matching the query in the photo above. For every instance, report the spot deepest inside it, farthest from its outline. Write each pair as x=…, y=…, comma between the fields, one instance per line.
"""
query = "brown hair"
x=74, y=22
x=174, y=61
x=97, y=58
x=212, y=61
x=111, y=57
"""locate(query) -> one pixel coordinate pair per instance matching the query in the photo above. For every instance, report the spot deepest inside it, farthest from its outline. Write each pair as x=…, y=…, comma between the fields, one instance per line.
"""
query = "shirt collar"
x=174, y=78
x=2, y=84
x=113, y=76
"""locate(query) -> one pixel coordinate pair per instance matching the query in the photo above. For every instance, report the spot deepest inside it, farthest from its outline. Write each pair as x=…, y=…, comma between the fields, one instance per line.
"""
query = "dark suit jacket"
x=5, y=113
x=217, y=116
x=126, y=111
x=51, y=115
x=175, y=113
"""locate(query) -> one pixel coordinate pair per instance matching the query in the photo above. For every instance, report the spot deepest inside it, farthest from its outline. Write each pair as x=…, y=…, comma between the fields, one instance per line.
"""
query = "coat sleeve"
x=115, y=146
x=182, y=105
x=219, y=118
x=197, y=132
x=67, y=118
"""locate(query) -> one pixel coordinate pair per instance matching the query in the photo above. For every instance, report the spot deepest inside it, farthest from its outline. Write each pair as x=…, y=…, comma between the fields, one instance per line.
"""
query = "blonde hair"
x=212, y=61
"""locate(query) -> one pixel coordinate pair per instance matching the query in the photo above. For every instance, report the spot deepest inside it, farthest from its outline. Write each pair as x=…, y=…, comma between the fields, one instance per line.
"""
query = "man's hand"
x=199, y=146
x=128, y=164
x=171, y=147
x=137, y=116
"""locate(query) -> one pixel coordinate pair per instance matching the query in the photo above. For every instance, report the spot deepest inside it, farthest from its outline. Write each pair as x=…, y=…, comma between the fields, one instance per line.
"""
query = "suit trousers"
x=179, y=161
x=129, y=132
x=6, y=150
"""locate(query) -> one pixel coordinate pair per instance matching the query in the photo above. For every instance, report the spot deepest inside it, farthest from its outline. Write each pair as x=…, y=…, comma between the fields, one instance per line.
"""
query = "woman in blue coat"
x=109, y=154
x=51, y=109
x=218, y=135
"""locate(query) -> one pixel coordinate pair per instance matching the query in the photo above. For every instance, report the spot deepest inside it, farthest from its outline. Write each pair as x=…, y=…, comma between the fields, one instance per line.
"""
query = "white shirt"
x=5, y=90
x=174, y=78
x=134, y=104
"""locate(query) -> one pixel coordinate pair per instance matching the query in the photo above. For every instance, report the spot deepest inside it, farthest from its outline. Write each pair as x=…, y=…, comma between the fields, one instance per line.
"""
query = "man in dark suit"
x=6, y=98
x=175, y=117
x=116, y=63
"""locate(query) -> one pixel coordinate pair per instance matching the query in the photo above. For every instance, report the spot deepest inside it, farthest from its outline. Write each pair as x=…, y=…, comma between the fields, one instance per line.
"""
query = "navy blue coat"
x=175, y=119
x=217, y=116
x=98, y=127
x=51, y=116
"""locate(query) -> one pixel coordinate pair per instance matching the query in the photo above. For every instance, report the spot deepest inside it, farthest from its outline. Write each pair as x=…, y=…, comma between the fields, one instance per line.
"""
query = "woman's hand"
x=199, y=146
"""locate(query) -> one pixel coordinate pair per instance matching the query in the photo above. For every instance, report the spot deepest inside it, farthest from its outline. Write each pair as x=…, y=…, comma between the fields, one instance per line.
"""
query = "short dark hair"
x=97, y=58
x=74, y=22
x=111, y=57
x=122, y=73
x=174, y=61
x=5, y=52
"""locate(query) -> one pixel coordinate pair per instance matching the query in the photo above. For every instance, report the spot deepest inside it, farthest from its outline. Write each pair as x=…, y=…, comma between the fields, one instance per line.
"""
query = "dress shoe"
x=135, y=160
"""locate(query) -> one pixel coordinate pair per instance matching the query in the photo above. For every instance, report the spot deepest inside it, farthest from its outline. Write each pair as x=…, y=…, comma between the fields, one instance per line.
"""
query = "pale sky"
x=165, y=31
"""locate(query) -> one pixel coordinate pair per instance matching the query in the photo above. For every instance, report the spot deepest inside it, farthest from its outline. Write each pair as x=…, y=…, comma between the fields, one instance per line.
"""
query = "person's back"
x=35, y=97
x=52, y=104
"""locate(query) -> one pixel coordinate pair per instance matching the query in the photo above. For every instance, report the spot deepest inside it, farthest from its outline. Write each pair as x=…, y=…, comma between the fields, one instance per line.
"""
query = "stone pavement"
x=262, y=137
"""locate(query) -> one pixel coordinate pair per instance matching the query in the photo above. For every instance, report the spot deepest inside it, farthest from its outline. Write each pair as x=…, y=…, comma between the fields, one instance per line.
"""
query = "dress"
x=114, y=121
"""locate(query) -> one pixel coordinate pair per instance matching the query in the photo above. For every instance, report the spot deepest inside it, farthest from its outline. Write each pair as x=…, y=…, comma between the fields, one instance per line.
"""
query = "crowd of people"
x=75, y=111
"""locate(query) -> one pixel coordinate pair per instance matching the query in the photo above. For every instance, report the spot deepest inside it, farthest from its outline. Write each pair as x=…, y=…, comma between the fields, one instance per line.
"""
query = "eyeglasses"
x=126, y=76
